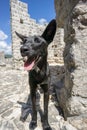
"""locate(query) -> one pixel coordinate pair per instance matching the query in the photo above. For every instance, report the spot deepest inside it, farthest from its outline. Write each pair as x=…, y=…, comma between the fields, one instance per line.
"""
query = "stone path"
x=13, y=89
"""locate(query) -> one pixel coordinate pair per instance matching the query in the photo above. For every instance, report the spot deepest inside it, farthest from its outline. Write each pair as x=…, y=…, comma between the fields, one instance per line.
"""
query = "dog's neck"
x=39, y=72
x=41, y=64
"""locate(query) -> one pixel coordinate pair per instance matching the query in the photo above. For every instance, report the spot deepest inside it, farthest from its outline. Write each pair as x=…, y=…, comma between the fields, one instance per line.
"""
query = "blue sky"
x=41, y=10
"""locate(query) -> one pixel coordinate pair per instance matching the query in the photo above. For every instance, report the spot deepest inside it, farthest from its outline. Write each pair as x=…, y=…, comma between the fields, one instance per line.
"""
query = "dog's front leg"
x=33, y=122
x=46, y=125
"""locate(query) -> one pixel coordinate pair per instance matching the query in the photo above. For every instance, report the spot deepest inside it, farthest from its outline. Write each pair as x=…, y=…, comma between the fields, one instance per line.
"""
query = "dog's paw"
x=33, y=125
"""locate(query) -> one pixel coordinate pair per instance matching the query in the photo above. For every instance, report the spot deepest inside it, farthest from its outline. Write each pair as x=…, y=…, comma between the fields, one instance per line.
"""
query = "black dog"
x=35, y=48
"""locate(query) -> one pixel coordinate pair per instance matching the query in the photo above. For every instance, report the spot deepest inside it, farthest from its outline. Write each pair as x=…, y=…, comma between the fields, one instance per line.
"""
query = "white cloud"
x=3, y=44
x=5, y=47
x=42, y=21
x=3, y=36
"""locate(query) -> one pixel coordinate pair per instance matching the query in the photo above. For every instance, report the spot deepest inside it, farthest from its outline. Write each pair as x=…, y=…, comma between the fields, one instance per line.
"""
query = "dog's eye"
x=36, y=40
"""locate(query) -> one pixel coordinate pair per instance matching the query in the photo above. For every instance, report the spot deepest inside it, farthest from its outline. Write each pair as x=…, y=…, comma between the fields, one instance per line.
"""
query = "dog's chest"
x=40, y=76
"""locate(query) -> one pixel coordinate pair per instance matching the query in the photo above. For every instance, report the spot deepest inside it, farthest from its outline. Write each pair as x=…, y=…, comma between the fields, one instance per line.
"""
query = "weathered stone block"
x=72, y=17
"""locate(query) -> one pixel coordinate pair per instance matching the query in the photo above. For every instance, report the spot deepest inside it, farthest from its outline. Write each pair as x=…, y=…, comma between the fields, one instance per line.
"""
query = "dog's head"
x=35, y=47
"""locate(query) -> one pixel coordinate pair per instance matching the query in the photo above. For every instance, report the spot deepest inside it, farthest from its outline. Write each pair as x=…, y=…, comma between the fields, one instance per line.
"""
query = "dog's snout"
x=24, y=49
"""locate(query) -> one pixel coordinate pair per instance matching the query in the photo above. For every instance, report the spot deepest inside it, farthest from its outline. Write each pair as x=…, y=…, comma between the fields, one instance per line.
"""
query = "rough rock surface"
x=2, y=59
x=72, y=95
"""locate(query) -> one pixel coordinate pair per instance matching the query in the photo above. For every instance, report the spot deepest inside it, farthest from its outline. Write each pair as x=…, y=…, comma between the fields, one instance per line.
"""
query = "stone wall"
x=22, y=23
x=2, y=59
x=72, y=16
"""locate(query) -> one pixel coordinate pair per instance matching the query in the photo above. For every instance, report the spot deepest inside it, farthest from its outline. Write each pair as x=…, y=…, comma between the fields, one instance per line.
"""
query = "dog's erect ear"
x=50, y=31
x=22, y=37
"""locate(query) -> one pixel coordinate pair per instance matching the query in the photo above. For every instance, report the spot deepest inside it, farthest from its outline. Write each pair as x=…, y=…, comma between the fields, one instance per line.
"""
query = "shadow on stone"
x=26, y=108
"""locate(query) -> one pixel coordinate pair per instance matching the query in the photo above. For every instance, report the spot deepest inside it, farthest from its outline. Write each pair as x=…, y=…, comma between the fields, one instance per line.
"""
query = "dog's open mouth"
x=29, y=63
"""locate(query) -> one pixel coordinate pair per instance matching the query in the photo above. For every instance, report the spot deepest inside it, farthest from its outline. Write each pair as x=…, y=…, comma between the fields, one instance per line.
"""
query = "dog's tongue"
x=28, y=66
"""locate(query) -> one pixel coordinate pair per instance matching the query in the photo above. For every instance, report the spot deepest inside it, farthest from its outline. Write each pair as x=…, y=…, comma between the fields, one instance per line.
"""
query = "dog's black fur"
x=35, y=48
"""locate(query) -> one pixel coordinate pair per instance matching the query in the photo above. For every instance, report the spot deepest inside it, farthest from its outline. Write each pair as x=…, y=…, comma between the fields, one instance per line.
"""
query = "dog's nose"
x=23, y=49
